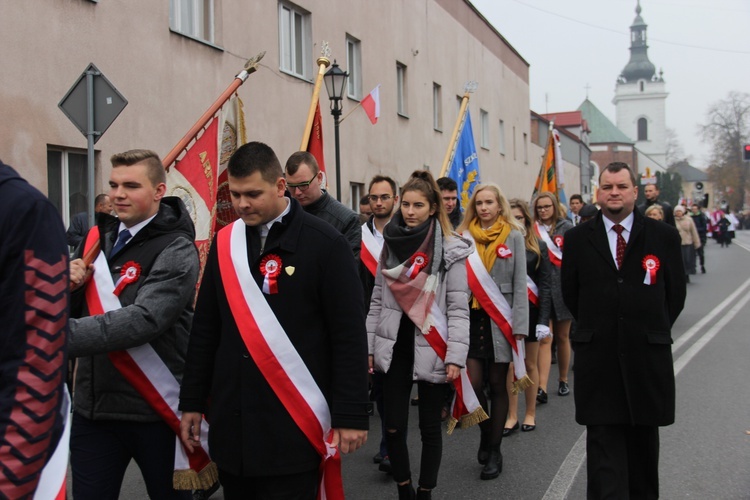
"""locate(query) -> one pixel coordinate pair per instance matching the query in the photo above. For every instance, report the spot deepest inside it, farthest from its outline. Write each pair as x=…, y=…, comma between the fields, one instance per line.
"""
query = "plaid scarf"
x=413, y=280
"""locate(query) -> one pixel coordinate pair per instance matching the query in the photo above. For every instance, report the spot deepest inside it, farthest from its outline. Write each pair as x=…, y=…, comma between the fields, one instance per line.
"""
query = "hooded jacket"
x=156, y=308
x=452, y=298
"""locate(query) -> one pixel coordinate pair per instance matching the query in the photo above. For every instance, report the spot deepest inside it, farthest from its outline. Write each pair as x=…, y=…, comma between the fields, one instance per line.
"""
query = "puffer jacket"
x=452, y=298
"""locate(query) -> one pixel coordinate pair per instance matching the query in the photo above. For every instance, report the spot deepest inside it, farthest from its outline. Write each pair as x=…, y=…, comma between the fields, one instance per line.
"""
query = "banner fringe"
x=522, y=384
x=189, y=479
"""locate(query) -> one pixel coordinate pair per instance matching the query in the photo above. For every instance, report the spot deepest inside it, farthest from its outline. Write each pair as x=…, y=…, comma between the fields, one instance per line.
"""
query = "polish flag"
x=371, y=104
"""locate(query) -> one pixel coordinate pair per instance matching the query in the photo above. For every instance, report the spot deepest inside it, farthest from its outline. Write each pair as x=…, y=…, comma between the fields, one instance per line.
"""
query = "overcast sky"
x=703, y=46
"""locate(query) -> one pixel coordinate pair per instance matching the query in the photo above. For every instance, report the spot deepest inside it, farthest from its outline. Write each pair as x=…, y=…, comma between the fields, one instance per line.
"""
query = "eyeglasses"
x=302, y=186
x=383, y=197
x=543, y=207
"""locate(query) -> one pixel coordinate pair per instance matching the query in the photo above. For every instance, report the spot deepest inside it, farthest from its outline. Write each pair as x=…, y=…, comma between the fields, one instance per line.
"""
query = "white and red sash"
x=371, y=248
x=143, y=368
x=532, y=291
x=433, y=323
x=52, y=483
x=493, y=302
x=555, y=251
x=276, y=356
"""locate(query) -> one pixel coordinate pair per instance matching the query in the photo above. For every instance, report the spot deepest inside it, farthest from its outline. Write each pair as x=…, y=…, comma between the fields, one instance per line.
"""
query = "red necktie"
x=620, y=244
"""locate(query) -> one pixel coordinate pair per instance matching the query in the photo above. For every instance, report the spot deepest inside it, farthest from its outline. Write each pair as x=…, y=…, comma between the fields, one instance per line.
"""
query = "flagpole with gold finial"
x=469, y=88
x=323, y=62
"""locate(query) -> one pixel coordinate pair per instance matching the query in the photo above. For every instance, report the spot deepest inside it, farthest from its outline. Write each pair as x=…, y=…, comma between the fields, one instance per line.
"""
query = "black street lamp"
x=335, y=80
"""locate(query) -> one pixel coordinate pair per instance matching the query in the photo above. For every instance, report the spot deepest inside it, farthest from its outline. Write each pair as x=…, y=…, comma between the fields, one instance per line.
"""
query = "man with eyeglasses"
x=304, y=182
x=382, y=198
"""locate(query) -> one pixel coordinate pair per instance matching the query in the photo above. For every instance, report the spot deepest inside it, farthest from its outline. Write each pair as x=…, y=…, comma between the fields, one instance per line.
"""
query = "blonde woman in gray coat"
x=501, y=250
x=422, y=262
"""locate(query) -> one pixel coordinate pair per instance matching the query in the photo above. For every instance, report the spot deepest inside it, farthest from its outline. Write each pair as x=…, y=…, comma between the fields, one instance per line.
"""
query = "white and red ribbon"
x=532, y=291
x=270, y=266
x=651, y=266
x=52, y=483
x=503, y=252
x=130, y=273
x=493, y=302
x=370, y=251
x=276, y=356
x=555, y=250
x=143, y=368
x=418, y=262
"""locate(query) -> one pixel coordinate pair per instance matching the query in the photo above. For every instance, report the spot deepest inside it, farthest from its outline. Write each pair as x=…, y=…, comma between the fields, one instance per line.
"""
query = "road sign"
x=107, y=103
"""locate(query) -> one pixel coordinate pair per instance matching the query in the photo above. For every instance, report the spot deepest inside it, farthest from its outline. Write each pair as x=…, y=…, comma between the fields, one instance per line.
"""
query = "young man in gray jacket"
x=154, y=263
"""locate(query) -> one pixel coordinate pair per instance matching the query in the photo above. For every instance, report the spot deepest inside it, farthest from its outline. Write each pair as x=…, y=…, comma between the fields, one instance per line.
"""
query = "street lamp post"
x=335, y=79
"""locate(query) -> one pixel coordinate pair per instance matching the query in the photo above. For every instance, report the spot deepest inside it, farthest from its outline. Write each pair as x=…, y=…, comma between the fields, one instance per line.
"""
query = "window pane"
x=54, y=179
x=298, y=45
x=77, y=183
x=501, y=145
x=285, y=36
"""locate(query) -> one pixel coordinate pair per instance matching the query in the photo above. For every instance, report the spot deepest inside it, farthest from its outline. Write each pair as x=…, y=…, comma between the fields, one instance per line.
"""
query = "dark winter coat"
x=157, y=308
x=623, y=344
x=319, y=305
x=345, y=221
x=541, y=275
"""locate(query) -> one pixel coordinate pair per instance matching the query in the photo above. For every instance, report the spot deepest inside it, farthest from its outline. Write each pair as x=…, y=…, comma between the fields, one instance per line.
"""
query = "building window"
x=437, y=107
x=525, y=147
x=193, y=18
x=295, y=40
x=356, y=192
x=514, y=143
x=642, y=129
x=501, y=137
x=354, y=67
x=401, y=100
x=67, y=182
x=641, y=84
x=484, y=126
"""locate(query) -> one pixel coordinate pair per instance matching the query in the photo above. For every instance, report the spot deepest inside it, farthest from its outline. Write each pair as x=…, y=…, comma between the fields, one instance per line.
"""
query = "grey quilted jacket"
x=452, y=298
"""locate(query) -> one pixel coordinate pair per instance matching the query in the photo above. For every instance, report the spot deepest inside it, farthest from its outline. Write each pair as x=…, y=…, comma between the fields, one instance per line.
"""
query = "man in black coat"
x=624, y=378
x=314, y=294
x=79, y=224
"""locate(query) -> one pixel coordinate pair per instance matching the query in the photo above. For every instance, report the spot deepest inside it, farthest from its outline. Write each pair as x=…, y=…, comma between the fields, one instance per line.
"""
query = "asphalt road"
x=704, y=455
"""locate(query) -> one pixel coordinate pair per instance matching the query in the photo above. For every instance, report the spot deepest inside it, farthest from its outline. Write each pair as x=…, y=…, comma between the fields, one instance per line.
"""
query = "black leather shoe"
x=385, y=465
x=563, y=389
x=377, y=458
x=528, y=427
x=541, y=397
x=507, y=431
x=494, y=465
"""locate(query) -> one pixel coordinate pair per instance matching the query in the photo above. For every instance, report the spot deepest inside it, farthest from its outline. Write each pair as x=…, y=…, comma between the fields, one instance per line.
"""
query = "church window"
x=642, y=84
x=642, y=129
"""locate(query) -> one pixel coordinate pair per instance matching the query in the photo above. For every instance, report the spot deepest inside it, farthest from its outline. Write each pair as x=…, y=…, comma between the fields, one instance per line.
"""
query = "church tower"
x=640, y=98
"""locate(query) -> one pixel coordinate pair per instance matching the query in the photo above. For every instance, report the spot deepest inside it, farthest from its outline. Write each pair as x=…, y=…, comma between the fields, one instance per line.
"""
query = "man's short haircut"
x=615, y=167
x=255, y=157
x=447, y=184
x=155, y=169
x=383, y=178
x=100, y=198
x=576, y=197
x=365, y=200
x=298, y=158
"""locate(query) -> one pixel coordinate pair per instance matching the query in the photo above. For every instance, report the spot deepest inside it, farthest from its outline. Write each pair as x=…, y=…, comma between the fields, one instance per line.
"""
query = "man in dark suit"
x=625, y=296
x=272, y=371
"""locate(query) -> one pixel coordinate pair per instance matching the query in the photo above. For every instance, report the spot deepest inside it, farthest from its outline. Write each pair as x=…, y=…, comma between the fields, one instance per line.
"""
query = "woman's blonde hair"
x=531, y=241
x=423, y=182
x=655, y=208
x=505, y=216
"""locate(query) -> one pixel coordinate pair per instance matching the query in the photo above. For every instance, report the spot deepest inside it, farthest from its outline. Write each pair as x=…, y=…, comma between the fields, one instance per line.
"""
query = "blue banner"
x=465, y=166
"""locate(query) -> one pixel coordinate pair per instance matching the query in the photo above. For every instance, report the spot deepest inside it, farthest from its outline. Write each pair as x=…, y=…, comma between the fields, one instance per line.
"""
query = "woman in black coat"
x=539, y=272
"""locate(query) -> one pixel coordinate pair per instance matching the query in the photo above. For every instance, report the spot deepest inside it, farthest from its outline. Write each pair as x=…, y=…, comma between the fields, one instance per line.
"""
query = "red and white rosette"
x=418, y=262
x=129, y=273
x=558, y=239
x=270, y=266
x=504, y=252
x=651, y=265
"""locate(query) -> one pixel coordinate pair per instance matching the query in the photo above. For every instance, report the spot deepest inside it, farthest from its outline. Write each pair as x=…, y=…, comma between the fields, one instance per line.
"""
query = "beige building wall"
x=170, y=80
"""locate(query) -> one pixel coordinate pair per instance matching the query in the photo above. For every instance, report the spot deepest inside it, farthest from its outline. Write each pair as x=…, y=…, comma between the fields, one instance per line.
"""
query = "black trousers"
x=622, y=462
x=396, y=395
x=100, y=452
x=302, y=486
